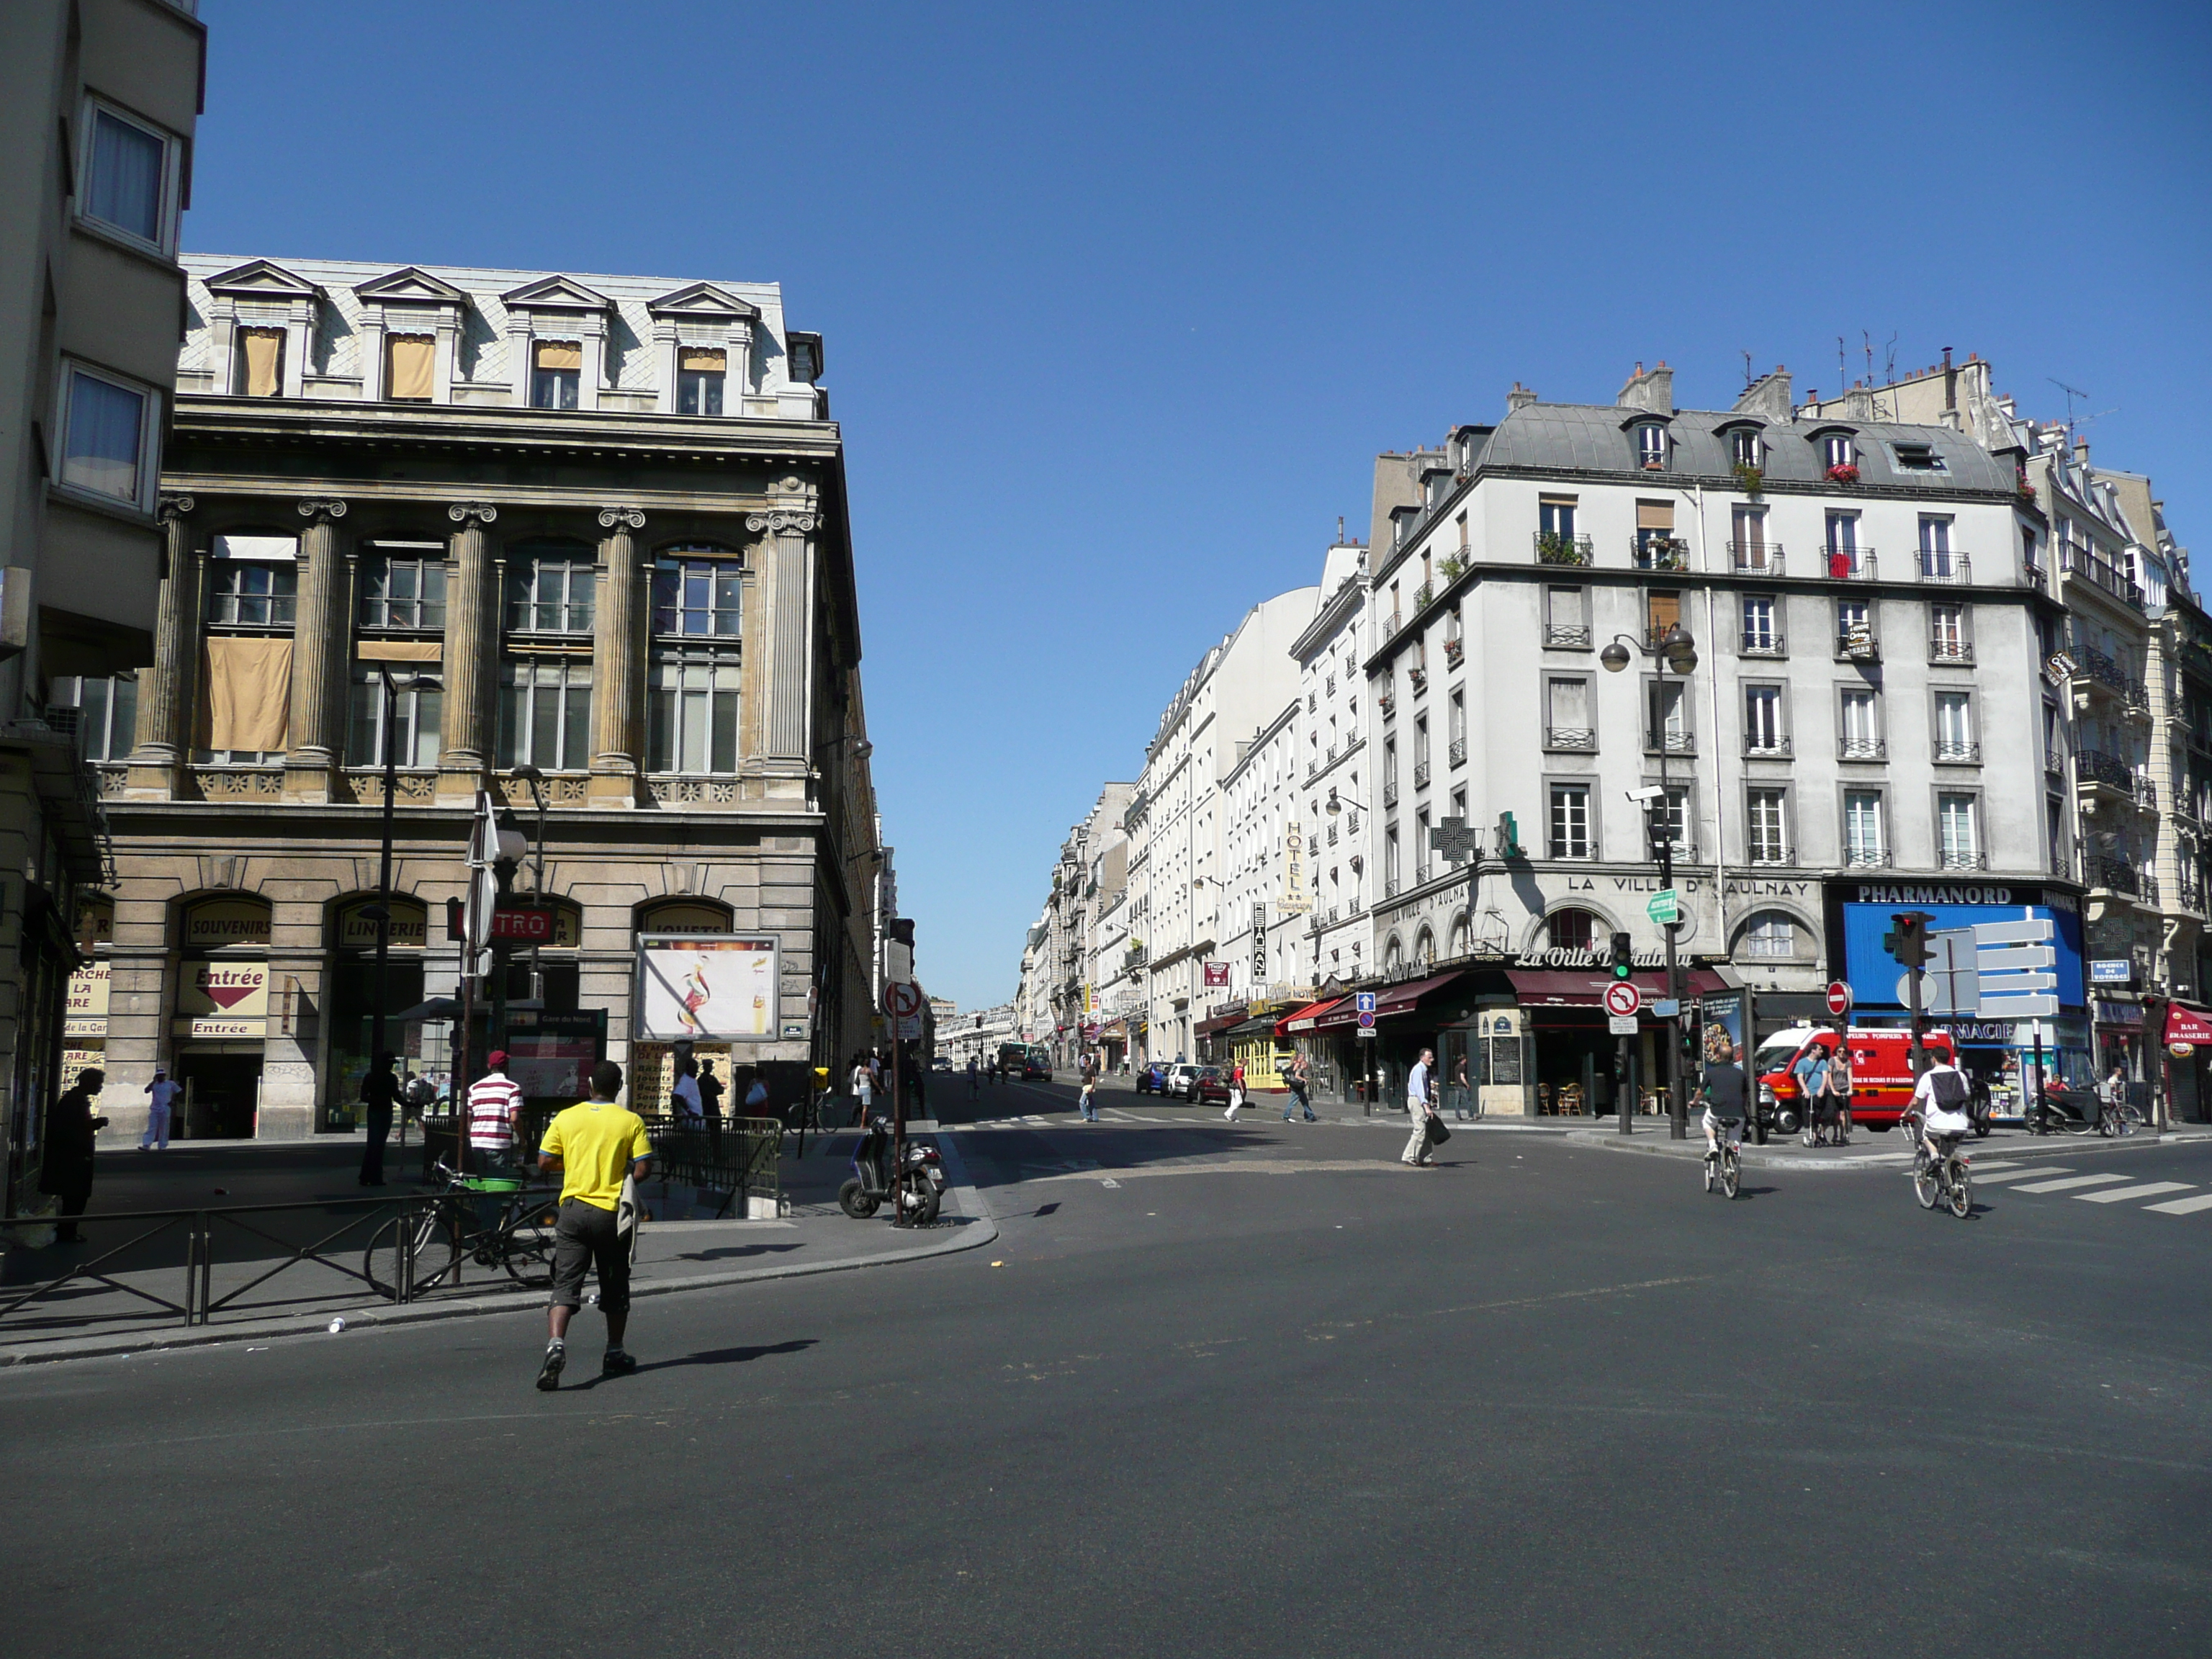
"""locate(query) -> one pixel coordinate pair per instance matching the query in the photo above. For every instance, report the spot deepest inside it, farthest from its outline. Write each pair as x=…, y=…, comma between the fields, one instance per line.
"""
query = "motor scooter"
x=920, y=1182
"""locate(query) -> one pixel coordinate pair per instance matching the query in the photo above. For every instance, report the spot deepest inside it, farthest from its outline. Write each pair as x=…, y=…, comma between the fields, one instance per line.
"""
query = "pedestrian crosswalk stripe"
x=2117, y=1194
x=2070, y=1181
x=2014, y=1172
x=2183, y=1205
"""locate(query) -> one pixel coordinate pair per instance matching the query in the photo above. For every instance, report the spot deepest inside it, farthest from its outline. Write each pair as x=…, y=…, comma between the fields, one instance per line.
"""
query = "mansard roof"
x=262, y=279
x=411, y=283
x=556, y=293
x=702, y=300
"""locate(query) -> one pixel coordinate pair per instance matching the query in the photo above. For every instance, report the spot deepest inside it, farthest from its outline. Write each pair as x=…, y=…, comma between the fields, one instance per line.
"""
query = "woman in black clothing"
x=65, y=1172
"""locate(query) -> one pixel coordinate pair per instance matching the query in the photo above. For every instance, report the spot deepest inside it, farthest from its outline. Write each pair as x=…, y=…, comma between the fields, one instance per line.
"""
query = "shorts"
x=1709, y=1122
x=586, y=1236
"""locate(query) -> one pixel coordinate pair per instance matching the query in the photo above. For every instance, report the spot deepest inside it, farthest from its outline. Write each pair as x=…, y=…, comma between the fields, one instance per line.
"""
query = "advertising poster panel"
x=706, y=987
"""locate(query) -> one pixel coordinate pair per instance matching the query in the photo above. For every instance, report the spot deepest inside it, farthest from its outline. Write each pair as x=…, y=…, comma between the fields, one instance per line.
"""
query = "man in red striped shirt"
x=494, y=1100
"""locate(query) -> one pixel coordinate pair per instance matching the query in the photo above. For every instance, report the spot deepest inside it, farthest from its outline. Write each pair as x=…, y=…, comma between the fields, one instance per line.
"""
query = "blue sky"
x=1120, y=302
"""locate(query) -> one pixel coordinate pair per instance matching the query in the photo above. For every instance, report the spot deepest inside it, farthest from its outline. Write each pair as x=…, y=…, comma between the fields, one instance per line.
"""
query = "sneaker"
x=617, y=1363
x=549, y=1374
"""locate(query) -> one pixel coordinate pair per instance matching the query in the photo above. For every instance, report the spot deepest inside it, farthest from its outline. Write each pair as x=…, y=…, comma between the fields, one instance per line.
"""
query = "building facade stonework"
x=488, y=520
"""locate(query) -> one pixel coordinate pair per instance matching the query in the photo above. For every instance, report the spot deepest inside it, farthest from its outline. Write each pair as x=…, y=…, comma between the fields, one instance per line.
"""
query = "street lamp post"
x=1677, y=651
x=536, y=778
x=1335, y=809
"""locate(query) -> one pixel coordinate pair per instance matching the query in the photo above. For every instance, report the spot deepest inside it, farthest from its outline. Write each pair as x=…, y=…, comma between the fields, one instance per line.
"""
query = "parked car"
x=1152, y=1079
x=1210, y=1086
x=942, y=1063
x=1882, y=1072
x=1181, y=1076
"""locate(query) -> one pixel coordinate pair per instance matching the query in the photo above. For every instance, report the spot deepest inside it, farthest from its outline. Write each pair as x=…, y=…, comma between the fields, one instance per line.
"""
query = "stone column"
x=162, y=744
x=788, y=563
x=471, y=653
x=318, y=640
x=619, y=625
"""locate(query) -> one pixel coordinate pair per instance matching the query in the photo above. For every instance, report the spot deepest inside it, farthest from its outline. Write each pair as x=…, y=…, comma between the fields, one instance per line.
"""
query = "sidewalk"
x=86, y=1318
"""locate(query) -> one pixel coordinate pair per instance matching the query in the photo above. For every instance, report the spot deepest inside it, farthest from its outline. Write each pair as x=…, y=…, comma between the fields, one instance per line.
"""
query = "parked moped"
x=920, y=1183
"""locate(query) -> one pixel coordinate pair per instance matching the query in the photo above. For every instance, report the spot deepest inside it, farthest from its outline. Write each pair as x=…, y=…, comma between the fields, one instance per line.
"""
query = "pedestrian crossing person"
x=161, y=1095
x=1420, y=1105
x=1235, y=1090
x=1087, y=1103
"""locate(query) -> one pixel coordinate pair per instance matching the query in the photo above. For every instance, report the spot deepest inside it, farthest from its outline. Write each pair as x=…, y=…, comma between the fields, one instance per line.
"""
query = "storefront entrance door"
x=222, y=1093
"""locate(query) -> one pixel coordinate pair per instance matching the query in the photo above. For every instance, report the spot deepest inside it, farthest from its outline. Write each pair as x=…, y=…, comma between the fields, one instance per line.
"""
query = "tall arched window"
x=1394, y=955
x=698, y=596
x=1459, y=935
x=1770, y=935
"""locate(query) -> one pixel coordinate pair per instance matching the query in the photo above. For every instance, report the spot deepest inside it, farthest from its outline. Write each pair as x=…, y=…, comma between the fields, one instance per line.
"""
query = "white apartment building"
x=1332, y=750
x=1869, y=617
x=1178, y=858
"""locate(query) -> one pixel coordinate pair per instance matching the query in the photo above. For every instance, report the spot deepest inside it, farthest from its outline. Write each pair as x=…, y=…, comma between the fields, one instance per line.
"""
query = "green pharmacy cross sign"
x=1664, y=906
x=1454, y=839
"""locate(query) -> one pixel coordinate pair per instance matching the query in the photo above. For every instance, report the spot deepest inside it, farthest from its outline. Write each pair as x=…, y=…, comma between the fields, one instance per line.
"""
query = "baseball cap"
x=496, y=1057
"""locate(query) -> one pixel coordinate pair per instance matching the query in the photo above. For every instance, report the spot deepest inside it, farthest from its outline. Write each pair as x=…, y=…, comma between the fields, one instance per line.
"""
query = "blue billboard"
x=1867, y=912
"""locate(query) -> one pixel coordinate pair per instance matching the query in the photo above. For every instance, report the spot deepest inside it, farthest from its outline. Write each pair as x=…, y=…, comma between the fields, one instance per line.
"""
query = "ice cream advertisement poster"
x=712, y=987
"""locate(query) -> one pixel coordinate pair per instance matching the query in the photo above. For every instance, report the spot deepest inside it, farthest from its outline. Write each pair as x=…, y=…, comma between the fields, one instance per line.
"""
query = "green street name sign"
x=1664, y=906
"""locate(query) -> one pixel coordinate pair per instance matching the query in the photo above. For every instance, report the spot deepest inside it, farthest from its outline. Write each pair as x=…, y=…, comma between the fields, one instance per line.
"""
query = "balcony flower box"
x=1454, y=650
x=1748, y=478
x=1845, y=474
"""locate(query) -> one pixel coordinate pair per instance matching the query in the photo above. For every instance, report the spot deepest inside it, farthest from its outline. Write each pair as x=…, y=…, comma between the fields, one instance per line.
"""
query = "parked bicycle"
x=1942, y=1181
x=490, y=1220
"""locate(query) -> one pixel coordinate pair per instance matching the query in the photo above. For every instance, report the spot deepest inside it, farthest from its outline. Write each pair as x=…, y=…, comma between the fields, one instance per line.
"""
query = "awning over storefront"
x=1300, y=1020
x=2187, y=1024
x=1394, y=999
x=1263, y=1026
x=1585, y=987
x=1218, y=1024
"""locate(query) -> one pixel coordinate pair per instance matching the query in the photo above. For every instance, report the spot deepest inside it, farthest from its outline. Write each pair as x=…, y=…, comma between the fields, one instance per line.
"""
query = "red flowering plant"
x=1843, y=472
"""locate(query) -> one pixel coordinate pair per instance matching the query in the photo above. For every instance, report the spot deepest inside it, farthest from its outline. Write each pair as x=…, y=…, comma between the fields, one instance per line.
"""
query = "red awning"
x=1219, y=1022
x=1585, y=987
x=2187, y=1024
x=1395, y=999
x=1302, y=1019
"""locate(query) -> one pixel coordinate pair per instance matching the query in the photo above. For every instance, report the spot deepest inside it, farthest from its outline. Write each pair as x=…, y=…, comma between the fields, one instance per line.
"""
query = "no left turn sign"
x=1622, y=999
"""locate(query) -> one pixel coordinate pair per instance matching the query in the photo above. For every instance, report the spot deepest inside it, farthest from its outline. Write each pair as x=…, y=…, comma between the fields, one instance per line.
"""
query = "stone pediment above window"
x=556, y=294
x=261, y=279
x=412, y=283
x=705, y=301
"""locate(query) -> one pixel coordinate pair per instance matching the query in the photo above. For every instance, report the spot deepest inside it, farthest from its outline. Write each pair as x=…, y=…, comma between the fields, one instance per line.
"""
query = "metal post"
x=1917, y=1050
x=898, y=1129
x=2036, y=1103
x=1677, y=1107
x=1624, y=1085
x=377, y=1039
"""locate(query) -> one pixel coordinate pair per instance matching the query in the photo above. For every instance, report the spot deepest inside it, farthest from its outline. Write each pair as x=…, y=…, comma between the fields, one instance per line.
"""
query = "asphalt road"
x=1249, y=1390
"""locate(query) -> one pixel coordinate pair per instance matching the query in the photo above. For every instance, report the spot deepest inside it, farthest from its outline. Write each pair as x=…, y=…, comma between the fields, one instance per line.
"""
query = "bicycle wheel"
x=1731, y=1172
x=1962, y=1197
x=525, y=1245
x=1927, y=1184
x=380, y=1263
x=2104, y=1123
x=1712, y=1170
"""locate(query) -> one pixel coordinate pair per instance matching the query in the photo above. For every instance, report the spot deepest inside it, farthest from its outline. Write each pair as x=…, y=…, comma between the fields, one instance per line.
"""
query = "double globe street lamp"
x=1677, y=654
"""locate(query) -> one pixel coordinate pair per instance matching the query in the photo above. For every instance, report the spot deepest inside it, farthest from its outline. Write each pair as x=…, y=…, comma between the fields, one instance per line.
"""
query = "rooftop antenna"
x=1889, y=360
x=1843, y=364
x=2072, y=392
x=1747, y=371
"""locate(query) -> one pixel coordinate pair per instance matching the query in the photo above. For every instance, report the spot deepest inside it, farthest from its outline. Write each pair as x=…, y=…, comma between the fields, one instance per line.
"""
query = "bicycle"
x=1724, y=1168
x=452, y=1230
x=1942, y=1180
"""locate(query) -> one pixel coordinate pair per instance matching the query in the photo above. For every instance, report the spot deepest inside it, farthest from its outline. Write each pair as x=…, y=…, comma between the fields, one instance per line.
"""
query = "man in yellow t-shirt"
x=594, y=1146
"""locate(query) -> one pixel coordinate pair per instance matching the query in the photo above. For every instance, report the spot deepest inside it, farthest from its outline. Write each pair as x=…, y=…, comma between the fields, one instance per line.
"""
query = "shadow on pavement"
x=729, y=1251
x=705, y=1357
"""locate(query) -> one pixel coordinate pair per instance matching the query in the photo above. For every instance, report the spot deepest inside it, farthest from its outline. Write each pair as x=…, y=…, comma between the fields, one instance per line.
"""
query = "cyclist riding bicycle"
x=1727, y=1094
x=1941, y=1098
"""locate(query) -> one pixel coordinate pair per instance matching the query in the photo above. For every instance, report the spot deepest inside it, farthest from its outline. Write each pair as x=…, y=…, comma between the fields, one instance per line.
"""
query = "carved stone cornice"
x=632, y=516
x=780, y=523
x=322, y=509
x=462, y=511
x=172, y=507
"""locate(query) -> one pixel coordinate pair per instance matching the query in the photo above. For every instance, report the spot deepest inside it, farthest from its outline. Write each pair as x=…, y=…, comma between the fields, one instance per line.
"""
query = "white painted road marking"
x=2013, y=1172
x=2183, y=1205
x=2118, y=1195
x=2069, y=1183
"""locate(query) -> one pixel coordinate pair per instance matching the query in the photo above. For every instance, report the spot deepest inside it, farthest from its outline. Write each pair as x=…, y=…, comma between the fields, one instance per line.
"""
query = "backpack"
x=1948, y=1089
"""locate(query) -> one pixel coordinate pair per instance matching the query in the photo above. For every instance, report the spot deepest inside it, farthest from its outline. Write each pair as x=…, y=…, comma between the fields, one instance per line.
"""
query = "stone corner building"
x=596, y=524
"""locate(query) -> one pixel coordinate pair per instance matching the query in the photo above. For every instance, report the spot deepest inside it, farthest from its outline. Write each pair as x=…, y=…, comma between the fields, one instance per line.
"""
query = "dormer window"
x=556, y=372
x=411, y=367
x=1744, y=448
x=1918, y=458
x=1651, y=449
x=699, y=373
x=1838, y=451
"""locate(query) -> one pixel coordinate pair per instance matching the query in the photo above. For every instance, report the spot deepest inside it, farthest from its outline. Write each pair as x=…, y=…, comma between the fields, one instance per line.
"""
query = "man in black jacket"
x=65, y=1172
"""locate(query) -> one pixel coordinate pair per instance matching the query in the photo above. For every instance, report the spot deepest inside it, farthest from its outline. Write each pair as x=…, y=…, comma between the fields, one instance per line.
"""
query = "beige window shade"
x=249, y=703
x=1662, y=610
x=412, y=359
x=1557, y=501
x=1655, y=516
x=559, y=354
x=399, y=651
x=707, y=358
x=264, y=351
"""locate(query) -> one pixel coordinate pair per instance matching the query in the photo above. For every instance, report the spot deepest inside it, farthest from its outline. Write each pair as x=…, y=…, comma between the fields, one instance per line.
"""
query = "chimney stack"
x=1653, y=392
x=2081, y=452
x=1768, y=397
x=1519, y=398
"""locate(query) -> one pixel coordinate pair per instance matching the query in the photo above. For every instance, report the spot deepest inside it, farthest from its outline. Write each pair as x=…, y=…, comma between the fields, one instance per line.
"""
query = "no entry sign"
x=1839, y=998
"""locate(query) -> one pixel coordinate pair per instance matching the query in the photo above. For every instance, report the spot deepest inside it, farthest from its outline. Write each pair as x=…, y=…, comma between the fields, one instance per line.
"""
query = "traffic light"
x=1509, y=837
x=901, y=930
x=1624, y=958
x=1907, y=941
